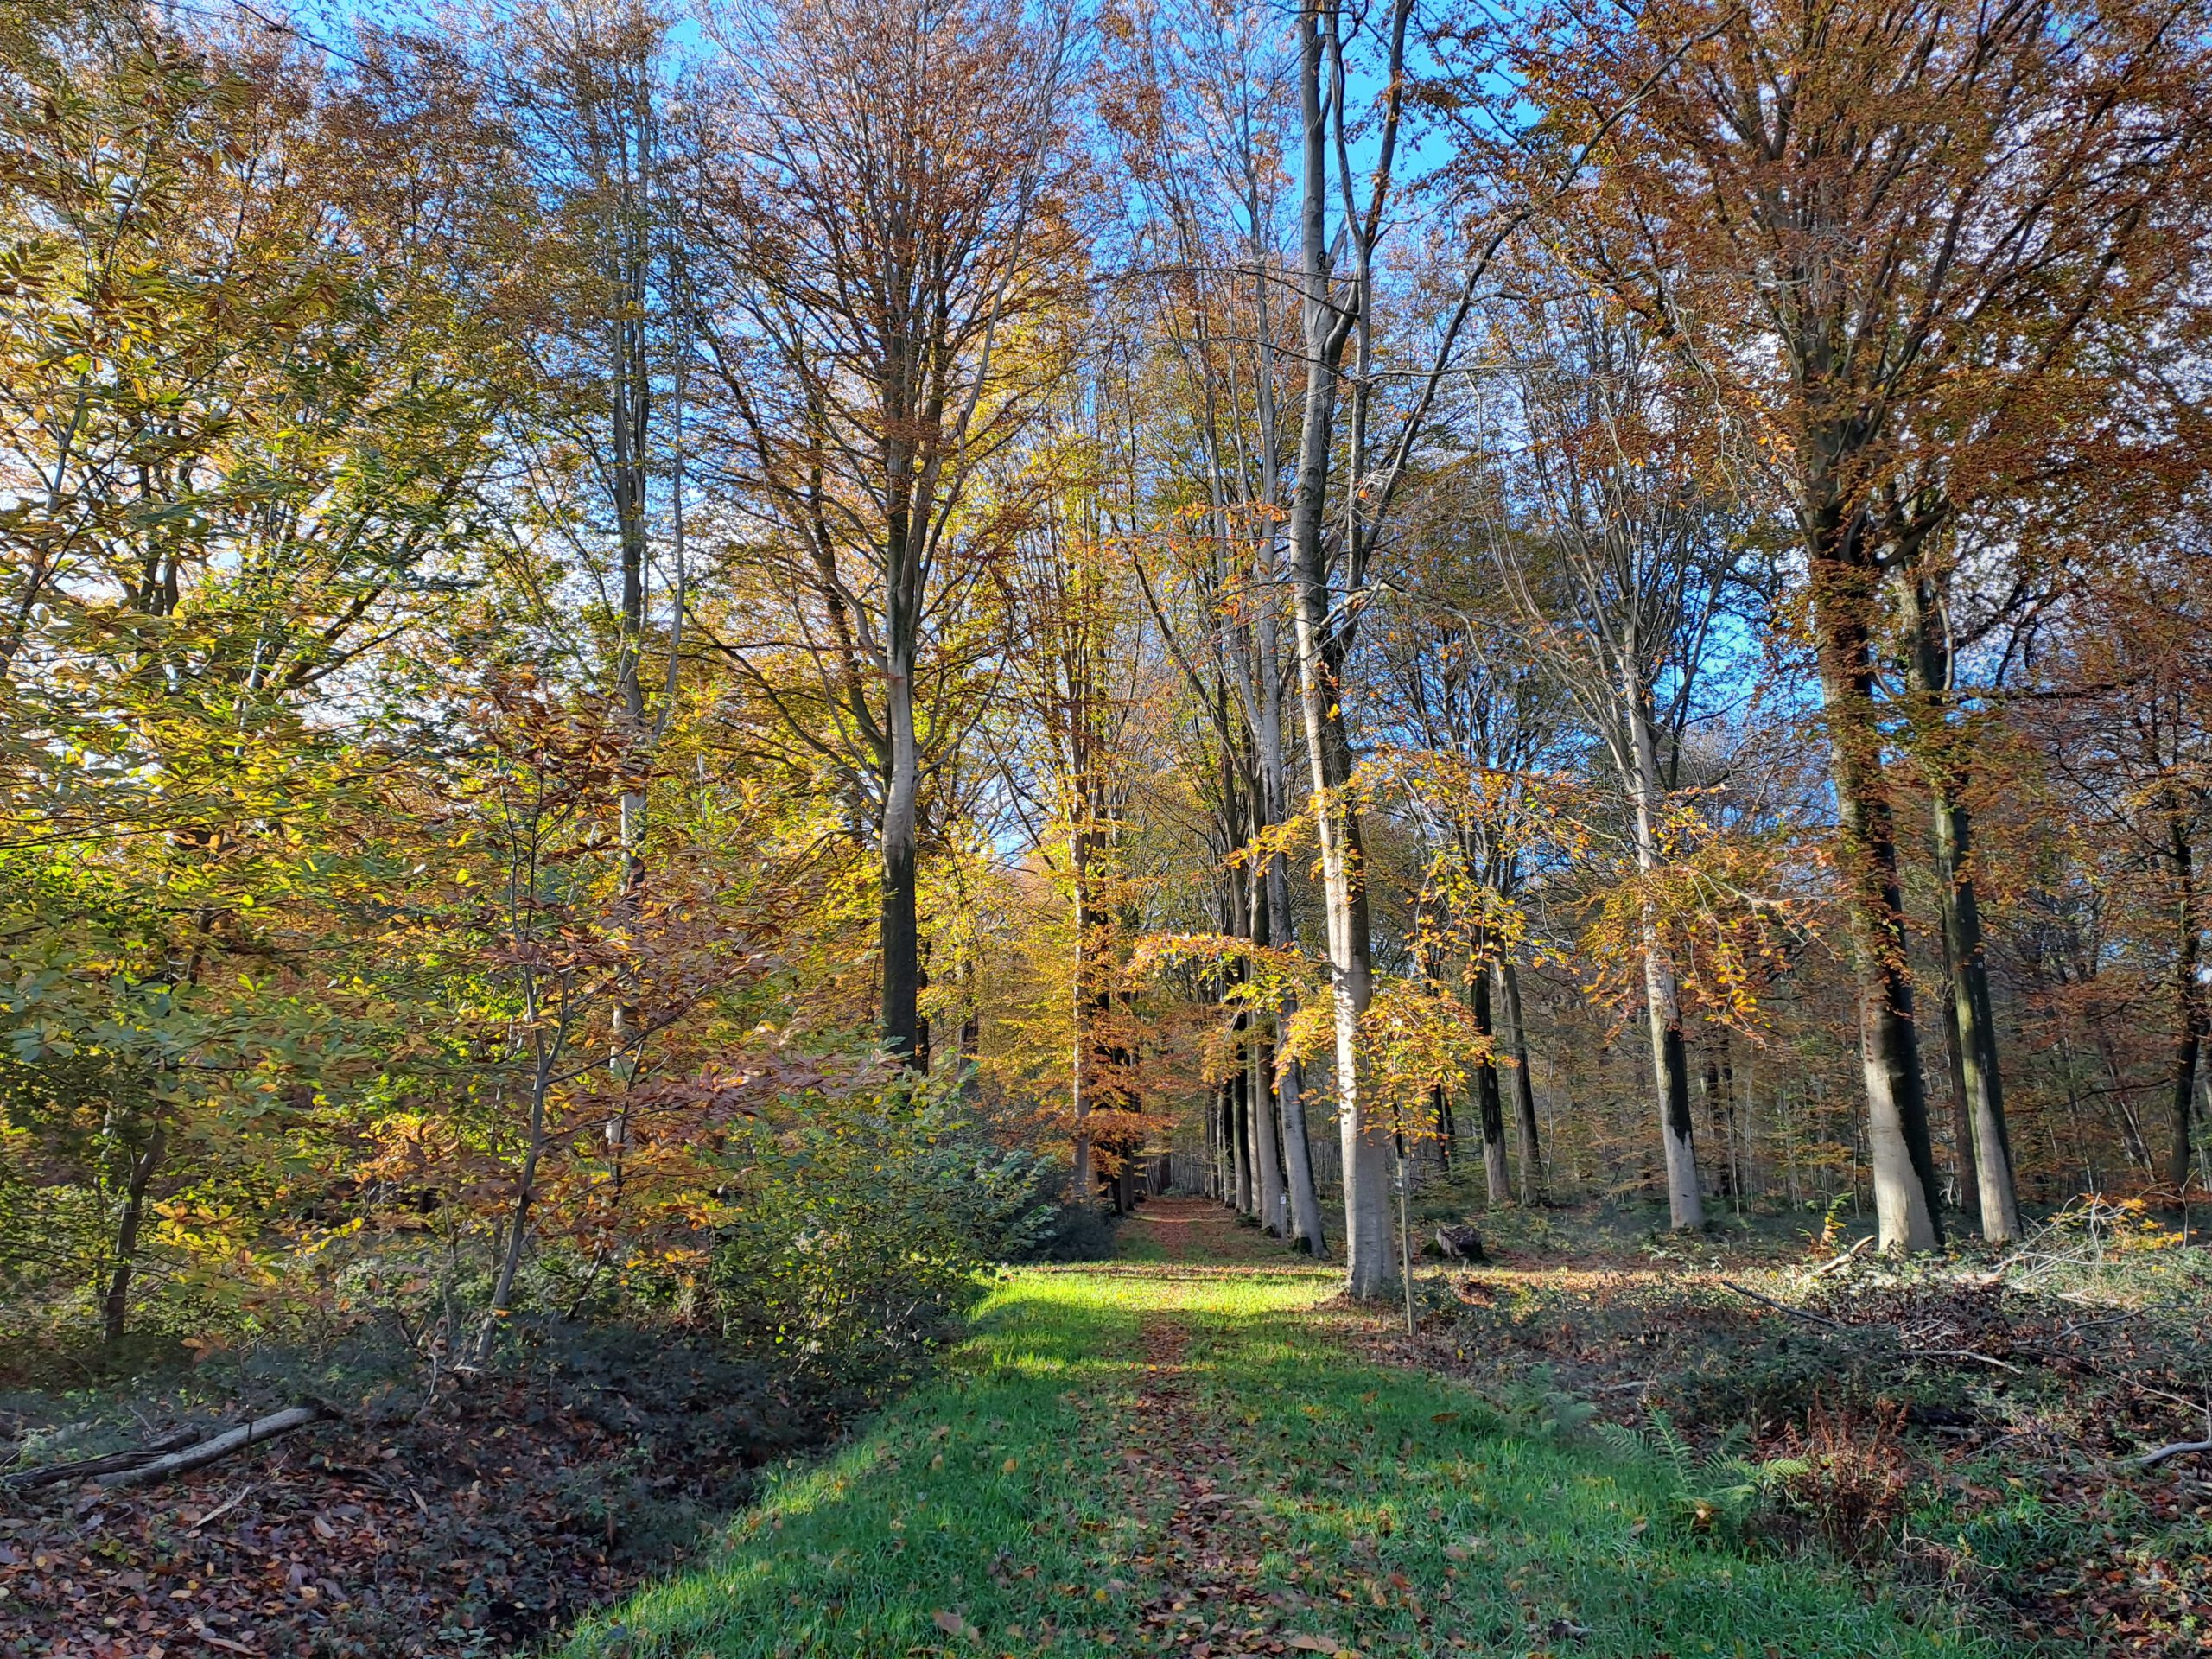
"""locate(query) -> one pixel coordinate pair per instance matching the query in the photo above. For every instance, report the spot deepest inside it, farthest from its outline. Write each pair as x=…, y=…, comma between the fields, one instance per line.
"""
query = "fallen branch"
x=1838, y=1258
x=1784, y=1307
x=93, y=1468
x=211, y=1450
x=2179, y=1449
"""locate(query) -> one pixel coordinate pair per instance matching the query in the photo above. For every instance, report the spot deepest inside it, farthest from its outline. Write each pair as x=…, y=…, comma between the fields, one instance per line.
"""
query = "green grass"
x=1029, y=1497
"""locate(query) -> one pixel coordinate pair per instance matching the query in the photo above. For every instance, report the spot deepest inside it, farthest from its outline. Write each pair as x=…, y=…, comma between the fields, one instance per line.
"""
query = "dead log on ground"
x=222, y=1445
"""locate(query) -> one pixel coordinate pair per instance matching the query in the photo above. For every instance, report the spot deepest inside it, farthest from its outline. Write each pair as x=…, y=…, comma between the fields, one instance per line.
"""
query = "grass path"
x=1168, y=1454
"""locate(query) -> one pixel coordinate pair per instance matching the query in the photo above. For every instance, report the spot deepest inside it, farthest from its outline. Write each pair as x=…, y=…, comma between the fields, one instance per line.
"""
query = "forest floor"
x=1180, y=1452
x=1971, y=1427
x=463, y=1521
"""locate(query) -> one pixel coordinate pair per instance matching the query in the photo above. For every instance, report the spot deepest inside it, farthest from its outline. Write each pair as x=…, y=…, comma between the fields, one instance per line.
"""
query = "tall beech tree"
x=879, y=235
x=1618, y=560
x=1884, y=233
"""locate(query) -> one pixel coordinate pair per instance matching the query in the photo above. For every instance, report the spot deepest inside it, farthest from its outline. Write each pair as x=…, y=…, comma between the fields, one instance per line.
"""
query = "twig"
x=225, y=1506
x=2179, y=1449
x=1966, y=1353
x=1784, y=1307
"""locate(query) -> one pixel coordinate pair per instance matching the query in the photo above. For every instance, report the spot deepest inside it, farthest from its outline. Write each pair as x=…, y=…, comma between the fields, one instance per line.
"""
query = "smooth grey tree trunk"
x=1899, y=1152
x=1662, y=1005
x=1290, y=1073
x=1370, y=1262
x=1974, y=1018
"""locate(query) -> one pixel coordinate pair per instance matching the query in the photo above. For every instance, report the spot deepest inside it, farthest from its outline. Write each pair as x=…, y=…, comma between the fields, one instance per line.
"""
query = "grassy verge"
x=1150, y=1459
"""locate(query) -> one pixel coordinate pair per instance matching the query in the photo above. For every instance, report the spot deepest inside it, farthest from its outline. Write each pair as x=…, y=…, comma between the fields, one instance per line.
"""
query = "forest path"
x=1174, y=1453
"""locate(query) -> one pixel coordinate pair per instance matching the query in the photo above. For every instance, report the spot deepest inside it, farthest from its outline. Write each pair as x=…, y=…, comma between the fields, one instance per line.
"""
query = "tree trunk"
x=517, y=1243
x=1663, y=1005
x=1524, y=1090
x=1996, y=1198
x=2188, y=997
x=1232, y=1166
x=1496, y=1174
x=1961, y=1100
x=1248, y=1169
x=1371, y=1268
x=1906, y=1200
x=1274, y=1206
x=1305, y=1199
x=144, y=1162
x=1259, y=1087
x=1716, y=1116
x=902, y=935
x=1985, y=1150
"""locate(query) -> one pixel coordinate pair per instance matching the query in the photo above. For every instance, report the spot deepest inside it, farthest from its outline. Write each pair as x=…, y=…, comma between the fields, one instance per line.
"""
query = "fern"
x=1668, y=1440
x=1622, y=1441
x=1720, y=1491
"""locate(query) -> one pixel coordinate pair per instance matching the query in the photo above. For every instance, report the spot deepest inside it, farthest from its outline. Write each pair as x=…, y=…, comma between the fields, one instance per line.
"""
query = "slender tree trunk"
x=1747, y=1100
x=1248, y=1171
x=2188, y=996
x=1663, y=1006
x=518, y=1235
x=1083, y=1183
x=1273, y=1196
x=145, y=1163
x=1305, y=1199
x=1986, y=1185
x=1259, y=1087
x=1961, y=1099
x=1091, y=999
x=1232, y=1170
x=1716, y=1117
x=1996, y=1197
x=900, y=929
x=1525, y=1090
x=1498, y=1175
x=1906, y=1200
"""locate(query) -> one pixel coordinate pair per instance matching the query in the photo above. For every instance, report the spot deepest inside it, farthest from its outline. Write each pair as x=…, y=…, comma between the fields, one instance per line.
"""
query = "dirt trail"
x=1201, y=1232
x=1190, y=1468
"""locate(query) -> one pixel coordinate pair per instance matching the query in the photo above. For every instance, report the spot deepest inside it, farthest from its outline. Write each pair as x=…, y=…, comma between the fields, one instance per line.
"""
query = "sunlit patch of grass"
x=1391, y=1511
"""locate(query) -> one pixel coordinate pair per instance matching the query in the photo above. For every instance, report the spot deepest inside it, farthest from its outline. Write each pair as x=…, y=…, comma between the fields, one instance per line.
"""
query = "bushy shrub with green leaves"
x=862, y=1226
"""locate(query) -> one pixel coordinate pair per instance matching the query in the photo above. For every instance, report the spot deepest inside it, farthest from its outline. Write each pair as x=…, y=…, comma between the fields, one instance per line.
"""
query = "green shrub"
x=863, y=1226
